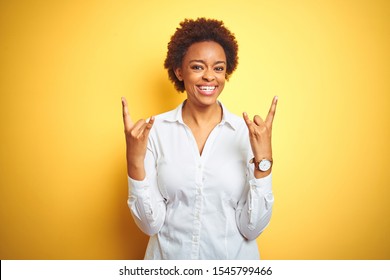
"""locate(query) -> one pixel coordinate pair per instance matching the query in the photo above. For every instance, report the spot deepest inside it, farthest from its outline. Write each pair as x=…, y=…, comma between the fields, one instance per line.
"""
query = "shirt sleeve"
x=145, y=201
x=254, y=209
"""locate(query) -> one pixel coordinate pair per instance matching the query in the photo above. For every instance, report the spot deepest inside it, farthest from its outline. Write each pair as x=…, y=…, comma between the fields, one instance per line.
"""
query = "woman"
x=200, y=177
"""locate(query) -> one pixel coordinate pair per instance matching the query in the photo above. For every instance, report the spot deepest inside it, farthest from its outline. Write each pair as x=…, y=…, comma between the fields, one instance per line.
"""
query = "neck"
x=201, y=116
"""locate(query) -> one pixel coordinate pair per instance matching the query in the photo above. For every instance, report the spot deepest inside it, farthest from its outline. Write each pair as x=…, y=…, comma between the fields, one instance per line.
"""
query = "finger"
x=126, y=116
x=150, y=123
x=147, y=126
x=246, y=119
x=251, y=126
x=258, y=120
x=271, y=113
x=138, y=128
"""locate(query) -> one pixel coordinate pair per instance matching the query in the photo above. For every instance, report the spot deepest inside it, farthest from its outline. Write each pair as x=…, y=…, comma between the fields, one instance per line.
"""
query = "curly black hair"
x=194, y=31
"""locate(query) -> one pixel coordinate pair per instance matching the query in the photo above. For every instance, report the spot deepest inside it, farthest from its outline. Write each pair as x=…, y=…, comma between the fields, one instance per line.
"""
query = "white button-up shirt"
x=207, y=206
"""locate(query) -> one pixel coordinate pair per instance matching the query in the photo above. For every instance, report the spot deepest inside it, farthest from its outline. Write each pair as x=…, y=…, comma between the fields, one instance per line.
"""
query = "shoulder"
x=166, y=121
x=170, y=116
x=236, y=122
x=166, y=116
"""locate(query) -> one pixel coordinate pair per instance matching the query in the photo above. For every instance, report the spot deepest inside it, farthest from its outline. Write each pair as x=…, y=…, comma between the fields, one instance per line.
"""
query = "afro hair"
x=194, y=31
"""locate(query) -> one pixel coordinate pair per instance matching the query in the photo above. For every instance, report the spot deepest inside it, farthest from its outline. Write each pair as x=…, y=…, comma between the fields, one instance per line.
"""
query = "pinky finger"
x=150, y=122
x=246, y=118
x=148, y=126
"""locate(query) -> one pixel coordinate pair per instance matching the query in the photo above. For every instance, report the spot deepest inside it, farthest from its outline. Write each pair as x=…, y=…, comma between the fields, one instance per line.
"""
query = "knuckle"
x=255, y=134
x=259, y=132
x=133, y=133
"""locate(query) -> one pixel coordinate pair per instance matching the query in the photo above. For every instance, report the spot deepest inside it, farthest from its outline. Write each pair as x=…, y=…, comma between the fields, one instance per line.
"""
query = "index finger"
x=271, y=113
x=126, y=116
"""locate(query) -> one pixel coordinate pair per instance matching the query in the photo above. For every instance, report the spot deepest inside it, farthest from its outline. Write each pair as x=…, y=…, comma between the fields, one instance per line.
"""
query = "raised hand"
x=136, y=142
x=260, y=133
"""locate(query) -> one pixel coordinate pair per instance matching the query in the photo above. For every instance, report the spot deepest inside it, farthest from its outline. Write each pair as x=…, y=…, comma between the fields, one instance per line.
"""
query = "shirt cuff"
x=262, y=184
x=137, y=187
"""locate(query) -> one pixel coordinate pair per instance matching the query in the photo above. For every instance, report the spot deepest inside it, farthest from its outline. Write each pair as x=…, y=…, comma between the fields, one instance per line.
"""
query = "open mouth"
x=207, y=90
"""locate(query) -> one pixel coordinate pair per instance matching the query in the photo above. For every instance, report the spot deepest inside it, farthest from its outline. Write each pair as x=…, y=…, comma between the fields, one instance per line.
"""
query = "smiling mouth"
x=207, y=90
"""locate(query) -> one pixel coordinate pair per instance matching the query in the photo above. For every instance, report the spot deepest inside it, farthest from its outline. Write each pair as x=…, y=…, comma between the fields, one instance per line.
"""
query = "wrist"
x=136, y=172
x=260, y=156
x=261, y=174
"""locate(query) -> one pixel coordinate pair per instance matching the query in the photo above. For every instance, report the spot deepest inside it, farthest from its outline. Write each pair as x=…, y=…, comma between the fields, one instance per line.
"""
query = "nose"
x=208, y=75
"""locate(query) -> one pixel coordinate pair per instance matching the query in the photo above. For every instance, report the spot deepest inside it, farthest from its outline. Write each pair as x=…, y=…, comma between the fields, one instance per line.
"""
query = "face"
x=203, y=71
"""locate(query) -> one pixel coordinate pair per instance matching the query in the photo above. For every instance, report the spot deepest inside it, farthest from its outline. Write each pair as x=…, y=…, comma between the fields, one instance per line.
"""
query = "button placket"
x=197, y=211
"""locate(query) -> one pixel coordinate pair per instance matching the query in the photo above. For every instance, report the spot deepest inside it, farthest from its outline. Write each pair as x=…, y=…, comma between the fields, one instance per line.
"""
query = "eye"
x=219, y=69
x=196, y=67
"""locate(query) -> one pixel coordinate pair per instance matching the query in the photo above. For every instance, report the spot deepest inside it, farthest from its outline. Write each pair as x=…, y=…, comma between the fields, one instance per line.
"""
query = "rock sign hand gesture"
x=136, y=143
x=260, y=133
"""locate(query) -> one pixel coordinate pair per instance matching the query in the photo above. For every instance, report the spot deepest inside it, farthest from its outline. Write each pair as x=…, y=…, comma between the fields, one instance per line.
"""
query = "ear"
x=178, y=74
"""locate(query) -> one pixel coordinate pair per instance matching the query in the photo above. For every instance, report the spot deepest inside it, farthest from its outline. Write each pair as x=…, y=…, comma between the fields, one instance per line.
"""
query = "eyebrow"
x=202, y=61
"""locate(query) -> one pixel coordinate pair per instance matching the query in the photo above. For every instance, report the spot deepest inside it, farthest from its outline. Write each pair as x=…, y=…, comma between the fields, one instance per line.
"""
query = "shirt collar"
x=227, y=117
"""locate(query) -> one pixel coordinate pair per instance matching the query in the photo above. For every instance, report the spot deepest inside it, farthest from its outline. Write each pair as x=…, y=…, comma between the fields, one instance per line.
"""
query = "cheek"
x=221, y=80
x=190, y=76
x=192, y=79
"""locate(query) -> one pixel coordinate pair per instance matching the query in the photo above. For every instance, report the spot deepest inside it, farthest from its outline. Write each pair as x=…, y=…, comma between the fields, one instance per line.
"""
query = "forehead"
x=206, y=51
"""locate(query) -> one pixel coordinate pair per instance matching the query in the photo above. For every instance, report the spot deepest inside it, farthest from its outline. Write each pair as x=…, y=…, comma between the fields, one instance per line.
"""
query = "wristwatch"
x=262, y=165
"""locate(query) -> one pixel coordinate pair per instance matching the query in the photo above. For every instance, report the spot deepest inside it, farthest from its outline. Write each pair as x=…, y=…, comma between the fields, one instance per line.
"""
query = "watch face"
x=264, y=165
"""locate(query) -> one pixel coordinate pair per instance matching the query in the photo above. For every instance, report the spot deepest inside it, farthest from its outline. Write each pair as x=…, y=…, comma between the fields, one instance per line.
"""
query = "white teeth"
x=207, y=88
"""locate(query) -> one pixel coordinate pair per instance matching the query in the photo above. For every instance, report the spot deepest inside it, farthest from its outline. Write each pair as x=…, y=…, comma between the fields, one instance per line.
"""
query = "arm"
x=255, y=207
x=145, y=201
x=254, y=210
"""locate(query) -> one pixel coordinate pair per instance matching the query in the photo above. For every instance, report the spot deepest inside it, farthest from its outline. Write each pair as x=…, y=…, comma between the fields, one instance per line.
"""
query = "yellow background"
x=65, y=64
